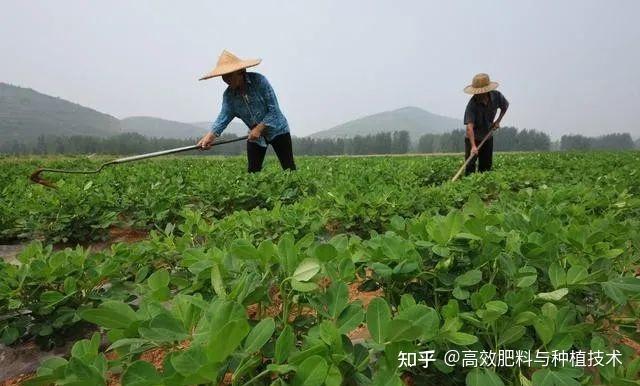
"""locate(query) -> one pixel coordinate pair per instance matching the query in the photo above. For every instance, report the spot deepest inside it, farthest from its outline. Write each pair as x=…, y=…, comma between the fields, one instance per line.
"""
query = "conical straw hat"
x=228, y=63
x=481, y=84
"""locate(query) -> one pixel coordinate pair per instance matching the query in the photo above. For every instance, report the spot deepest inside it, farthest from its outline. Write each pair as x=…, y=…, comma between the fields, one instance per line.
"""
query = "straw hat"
x=228, y=63
x=481, y=84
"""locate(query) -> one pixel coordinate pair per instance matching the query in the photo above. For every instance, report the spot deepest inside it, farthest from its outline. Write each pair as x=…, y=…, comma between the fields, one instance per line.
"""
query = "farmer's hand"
x=207, y=141
x=496, y=125
x=256, y=132
x=474, y=149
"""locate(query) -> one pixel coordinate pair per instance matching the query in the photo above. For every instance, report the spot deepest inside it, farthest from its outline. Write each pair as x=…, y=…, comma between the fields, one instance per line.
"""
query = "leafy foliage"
x=257, y=288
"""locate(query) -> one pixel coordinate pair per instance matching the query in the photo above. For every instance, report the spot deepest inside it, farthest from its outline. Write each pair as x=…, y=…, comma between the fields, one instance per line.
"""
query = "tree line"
x=399, y=142
x=615, y=141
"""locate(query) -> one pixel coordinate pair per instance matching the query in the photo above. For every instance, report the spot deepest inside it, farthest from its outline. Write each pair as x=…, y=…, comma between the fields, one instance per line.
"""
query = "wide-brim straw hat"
x=228, y=63
x=480, y=84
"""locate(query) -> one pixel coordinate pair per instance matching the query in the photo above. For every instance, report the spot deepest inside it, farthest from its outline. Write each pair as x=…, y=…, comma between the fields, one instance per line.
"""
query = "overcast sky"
x=565, y=66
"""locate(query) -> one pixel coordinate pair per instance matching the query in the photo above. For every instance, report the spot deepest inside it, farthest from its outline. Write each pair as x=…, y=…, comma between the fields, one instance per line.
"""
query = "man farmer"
x=479, y=120
x=250, y=98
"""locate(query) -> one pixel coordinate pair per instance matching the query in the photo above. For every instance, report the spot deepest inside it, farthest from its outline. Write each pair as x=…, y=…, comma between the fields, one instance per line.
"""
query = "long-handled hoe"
x=35, y=176
x=466, y=162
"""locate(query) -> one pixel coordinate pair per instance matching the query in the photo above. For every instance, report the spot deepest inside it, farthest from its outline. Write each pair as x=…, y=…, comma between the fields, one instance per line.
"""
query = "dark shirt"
x=482, y=115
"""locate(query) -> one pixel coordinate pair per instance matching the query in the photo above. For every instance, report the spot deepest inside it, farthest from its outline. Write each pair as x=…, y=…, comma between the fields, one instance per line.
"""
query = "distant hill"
x=412, y=119
x=26, y=113
x=236, y=127
x=158, y=127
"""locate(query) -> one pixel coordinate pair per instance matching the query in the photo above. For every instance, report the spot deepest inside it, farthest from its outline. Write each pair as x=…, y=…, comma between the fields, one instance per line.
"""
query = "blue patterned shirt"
x=258, y=105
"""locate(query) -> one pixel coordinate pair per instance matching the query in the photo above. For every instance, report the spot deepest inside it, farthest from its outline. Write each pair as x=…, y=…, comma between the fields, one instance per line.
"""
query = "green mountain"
x=412, y=119
x=26, y=113
x=236, y=127
x=158, y=127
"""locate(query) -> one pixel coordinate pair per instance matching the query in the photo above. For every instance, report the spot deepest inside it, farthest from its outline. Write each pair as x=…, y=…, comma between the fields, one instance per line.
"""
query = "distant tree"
x=427, y=143
x=615, y=141
x=401, y=142
x=506, y=139
x=574, y=142
x=41, y=145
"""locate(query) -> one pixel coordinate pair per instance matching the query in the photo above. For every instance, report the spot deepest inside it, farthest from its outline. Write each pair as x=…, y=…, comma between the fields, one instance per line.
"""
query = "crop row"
x=359, y=194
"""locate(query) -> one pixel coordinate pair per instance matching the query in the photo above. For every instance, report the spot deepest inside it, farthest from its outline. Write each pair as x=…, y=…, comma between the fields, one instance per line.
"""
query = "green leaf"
x=460, y=294
x=511, y=335
x=378, y=319
x=51, y=366
x=307, y=269
x=288, y=253
x=141, y=373
x=382, y=270
x=577, y=274
x=325, y=252
x=424, y=317
x=403, y=330
x=483, y=377
x=285, y=344
x=86, y=375
x=557, y=276
x=10, y=335
x=51, y=296
x=330, y=335
x=461, y=338
x=553, y=296
x=70, y=285
x=85, y=349
x=492, y=311
x=350, y=318
x=164, y=328
x=280, y=369
x=311, y=372
x=242, y=249
x=524, y=381
x=217, y=282
x=525, y=318
x=441, y=251
x=158, y=280
x=128, y=342
x=303, y=286
x=527, y=276
x=188, y=362
x=619, y=289
x=451, y=225
x=110, y=314
x=386, y=377
x=548, y=377
x=612, y=253
x=334, y=377
x=468, y=236
x=259, y=335
x=337, y=298
x=545, y=328
x=469, y=278
x=224, y=341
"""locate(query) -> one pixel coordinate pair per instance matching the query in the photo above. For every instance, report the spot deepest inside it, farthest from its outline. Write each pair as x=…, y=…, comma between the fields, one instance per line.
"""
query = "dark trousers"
x=281, y=145
x=484, y=157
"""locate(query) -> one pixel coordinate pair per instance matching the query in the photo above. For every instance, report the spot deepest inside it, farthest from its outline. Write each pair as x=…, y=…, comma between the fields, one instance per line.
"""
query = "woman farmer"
x=250, y=98
x=479, y=119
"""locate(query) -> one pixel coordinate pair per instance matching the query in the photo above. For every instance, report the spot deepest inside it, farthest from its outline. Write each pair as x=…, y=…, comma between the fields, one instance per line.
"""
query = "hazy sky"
x=565, y=66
